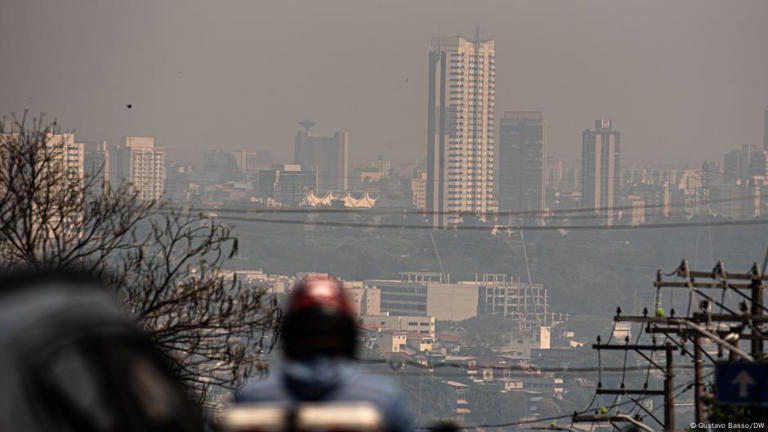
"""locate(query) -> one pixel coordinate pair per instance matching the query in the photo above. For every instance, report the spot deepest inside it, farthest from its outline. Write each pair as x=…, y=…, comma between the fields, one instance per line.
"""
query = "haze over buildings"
x=195, y=83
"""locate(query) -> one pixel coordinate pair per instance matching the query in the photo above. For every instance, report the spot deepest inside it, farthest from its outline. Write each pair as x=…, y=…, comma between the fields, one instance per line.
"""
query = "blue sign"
x=740, y=383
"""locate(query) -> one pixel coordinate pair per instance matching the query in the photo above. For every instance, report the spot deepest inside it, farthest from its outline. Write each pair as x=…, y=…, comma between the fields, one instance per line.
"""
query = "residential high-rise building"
x=65, y=154
x=460, y=129
x=69, y=153
x=600, y=172
x=521, y=163
x=419, y=190
x=97, y=164
x=328, y=156
x=140, y=163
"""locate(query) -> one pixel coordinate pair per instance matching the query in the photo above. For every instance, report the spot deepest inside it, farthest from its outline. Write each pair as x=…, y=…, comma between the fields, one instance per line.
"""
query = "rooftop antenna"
x=477, y=33
x=307, y=124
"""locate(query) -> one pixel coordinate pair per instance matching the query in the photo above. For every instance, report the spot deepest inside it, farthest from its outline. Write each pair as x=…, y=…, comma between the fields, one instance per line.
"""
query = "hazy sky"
x=683, y=80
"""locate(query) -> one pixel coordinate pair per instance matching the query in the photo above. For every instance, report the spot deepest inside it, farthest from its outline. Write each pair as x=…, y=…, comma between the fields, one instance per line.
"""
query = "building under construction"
x=503, y=296
x=422, y=293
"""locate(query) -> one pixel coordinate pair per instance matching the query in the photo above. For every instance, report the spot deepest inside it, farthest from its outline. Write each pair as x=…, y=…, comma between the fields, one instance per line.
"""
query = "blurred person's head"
x=318, y=321
x=71, y=360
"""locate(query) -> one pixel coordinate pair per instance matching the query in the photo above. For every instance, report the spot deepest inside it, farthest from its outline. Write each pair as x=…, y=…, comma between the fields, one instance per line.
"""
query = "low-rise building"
x=365, y=301
x=419, y=342
x=392, y=341
x=425, y=325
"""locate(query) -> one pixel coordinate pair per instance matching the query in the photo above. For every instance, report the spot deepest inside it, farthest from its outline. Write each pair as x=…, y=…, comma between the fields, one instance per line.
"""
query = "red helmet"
x=319, y=291
x=319, y=320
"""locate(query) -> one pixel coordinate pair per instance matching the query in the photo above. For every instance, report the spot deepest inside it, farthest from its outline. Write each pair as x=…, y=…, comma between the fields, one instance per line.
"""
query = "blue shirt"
x=331, y=380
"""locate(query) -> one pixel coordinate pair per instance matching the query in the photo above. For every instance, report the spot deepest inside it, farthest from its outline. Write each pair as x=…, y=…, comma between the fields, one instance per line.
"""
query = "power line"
x=413, y=211
x=732, y=222
x=514, y=367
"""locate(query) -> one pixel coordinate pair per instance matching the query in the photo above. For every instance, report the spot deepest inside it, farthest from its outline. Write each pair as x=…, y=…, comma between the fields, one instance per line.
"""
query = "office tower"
x=328, y=156
x=600, y=168
x=521, y=164
x=138, y=162
x=97, y=165
x=736, y=164
x=241, y=158
x=287, y=183
x=732, y=169
x=765, y=129
x=758, y=164
x=460, y=129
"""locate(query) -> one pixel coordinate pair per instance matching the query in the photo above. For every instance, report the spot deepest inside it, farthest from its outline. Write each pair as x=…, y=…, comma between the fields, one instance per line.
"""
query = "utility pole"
x=726, y=329
x=667, y=392
x=669, y=386
x=756, y=286
x=698, y=380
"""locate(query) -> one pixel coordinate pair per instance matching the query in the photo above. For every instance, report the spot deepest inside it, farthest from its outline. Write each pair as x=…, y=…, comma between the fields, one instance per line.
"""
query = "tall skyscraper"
x=460, y=129
x=521, y=163
x=328, y=156
x=141, y=164
x=600, y=172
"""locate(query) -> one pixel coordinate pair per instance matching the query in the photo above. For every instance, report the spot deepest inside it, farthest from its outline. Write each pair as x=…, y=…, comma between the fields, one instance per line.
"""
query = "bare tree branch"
x=164, y=264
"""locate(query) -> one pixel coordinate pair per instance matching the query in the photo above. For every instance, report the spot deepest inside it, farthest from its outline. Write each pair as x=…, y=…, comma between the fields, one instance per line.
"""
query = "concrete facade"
x=601, y=169
x=140, y=163
x=461, y=148
x=328, y=156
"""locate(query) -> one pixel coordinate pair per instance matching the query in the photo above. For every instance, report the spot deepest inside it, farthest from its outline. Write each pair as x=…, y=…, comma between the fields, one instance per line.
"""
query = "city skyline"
x=432, y=208
x=171, y=95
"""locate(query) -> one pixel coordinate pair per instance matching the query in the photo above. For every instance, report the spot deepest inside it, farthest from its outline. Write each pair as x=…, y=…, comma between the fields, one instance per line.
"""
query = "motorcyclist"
x=319, y=337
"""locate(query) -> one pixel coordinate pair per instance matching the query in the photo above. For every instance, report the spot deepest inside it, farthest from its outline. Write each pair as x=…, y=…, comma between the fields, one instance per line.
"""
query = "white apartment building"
x=460, y=128
x=69, y=153
x=141, y=164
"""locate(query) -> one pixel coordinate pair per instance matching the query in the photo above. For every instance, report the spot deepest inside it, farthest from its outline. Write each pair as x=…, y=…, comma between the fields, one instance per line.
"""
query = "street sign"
x=741, y=383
